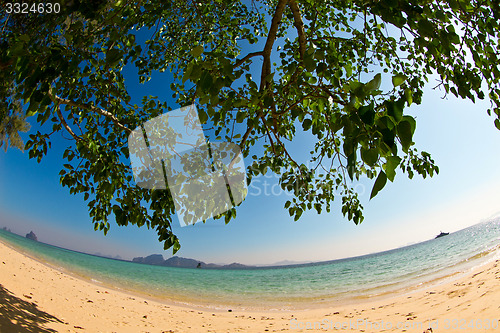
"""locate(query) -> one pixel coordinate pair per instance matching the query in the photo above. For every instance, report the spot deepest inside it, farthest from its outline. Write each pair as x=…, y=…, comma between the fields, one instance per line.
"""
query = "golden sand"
x=37, y=298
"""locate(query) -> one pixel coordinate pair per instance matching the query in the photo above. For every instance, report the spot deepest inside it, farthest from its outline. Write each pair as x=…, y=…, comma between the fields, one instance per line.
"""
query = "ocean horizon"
x=285, y=287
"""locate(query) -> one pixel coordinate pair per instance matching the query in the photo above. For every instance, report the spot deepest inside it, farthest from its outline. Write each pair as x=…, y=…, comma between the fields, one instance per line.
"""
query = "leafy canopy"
x=320, y=69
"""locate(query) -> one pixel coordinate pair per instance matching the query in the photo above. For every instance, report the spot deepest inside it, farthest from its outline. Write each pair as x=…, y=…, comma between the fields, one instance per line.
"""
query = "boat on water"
x=442, y=234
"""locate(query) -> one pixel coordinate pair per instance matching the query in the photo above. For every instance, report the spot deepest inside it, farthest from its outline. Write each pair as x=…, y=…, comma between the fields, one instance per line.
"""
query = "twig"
x=248, y=56
x=91, y=108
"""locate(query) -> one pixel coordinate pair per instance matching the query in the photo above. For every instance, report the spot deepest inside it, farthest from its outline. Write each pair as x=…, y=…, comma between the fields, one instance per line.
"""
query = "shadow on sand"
x=20, y=316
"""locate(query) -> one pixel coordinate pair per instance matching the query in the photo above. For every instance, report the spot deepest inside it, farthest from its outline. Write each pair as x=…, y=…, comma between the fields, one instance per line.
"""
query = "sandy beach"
x=37, y=298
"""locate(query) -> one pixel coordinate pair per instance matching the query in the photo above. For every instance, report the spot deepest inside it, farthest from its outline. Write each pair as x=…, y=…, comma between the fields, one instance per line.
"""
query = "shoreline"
x=382, y=293
x=61, y=302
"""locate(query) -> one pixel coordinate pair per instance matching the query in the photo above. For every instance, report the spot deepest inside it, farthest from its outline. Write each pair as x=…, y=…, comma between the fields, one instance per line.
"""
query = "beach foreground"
x=37, y=298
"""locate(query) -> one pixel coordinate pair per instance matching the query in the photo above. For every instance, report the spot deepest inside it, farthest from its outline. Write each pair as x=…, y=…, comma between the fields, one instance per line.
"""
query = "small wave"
x=483, y=253
x=477, y=260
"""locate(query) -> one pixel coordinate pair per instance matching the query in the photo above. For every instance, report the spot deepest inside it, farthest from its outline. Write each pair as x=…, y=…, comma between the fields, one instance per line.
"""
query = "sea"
x=305, y=286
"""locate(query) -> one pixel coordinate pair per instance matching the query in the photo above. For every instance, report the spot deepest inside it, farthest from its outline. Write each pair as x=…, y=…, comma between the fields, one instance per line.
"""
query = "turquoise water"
x=289, y=287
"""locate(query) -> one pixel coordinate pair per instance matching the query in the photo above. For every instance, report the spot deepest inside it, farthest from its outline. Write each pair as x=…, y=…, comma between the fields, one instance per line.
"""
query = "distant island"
x=32, y=236
x=157, y=260
x=175, y=261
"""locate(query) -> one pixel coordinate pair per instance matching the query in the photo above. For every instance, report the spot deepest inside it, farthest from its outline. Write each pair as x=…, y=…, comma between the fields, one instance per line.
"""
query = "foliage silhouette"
x=21, y=316
x=322, y=67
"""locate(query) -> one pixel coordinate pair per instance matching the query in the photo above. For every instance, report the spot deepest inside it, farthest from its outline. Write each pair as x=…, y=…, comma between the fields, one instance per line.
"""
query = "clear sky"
x=459, y=134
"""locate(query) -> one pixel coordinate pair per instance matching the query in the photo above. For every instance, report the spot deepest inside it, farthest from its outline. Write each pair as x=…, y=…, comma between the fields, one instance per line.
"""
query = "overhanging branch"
x=65, y=124
x=89, y=107
x=266, y=54
x=271, y=37
x=299, y=25
x=61, y=118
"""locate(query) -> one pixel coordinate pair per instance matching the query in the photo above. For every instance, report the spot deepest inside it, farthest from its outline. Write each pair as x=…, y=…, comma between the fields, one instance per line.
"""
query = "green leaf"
x=240, y=116
x=409, y=97
x=309, y=62
x=390, y=167
x=369, y=156
x=398, y=80
x=131, y=40
x=177, y=246
x=306, y=125
x=203, y=116
x=195, y=72
x=113, y=57
x=269, y=78
x=167, y=244
x=348, y=69
x=405, y=134
x=317, y=206
x=197, y=51
x=374, y=83
x=367, y=114
x=298, y=214
x=412, y=122
x=425, y=27
x=395, y=111
x=322, y=67
x=268, y=100
x=206, y=81
x=497, y=124
x=227, y=67
x=388, y=137
x=379, y=184
x=351, y=164
x=25, y=38
x=17, y=49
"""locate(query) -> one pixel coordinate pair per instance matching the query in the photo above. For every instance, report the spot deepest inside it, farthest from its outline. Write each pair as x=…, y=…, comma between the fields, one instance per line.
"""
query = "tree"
x=320, y=65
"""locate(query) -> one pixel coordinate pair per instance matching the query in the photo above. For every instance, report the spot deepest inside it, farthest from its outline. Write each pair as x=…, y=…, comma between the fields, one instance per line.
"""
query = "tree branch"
x=65, y=124
x=271, y=37
x=61, y=118
x=299, y=25
x=248, y=56
x=89, y=107
x=245, y=137
x=266, y=53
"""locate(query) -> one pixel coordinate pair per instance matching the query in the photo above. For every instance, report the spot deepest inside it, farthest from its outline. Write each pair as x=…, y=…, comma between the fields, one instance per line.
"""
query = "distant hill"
x=32, y=236
x=182, y=262
x=175, y=261
x=154, y=259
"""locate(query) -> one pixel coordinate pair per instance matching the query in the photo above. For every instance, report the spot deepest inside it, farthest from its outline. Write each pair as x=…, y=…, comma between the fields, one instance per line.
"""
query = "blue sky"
x=459, y=134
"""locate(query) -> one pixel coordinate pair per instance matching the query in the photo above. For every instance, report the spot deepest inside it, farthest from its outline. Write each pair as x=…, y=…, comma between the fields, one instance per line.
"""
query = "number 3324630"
x=26, y=8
